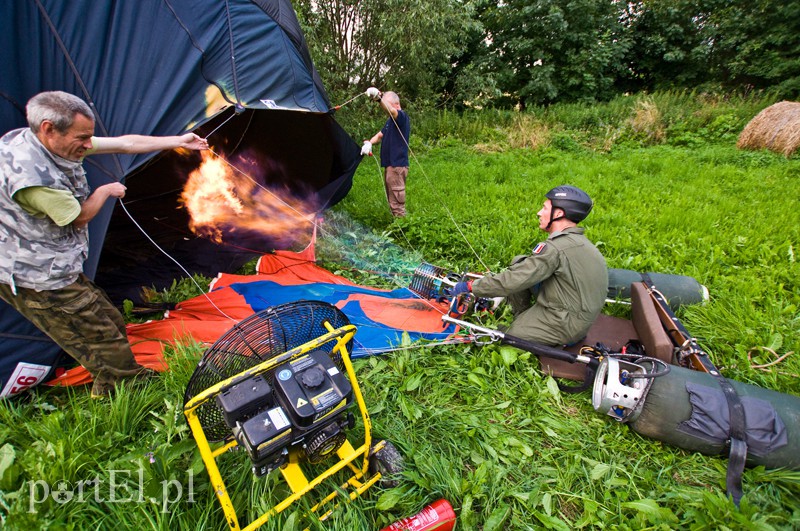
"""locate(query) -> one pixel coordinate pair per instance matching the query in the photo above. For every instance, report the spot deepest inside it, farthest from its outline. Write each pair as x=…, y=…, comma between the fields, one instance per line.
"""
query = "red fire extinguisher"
x=438, y=516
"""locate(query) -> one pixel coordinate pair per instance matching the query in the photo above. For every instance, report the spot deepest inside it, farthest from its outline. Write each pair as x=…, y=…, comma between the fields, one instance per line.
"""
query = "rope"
x=337, y=107
x=223, y=123
x=441, y=198
x=189, y=275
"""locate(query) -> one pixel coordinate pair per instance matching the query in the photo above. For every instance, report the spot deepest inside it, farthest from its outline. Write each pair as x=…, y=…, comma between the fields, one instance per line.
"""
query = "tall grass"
x=676, y=117
x=480, y=425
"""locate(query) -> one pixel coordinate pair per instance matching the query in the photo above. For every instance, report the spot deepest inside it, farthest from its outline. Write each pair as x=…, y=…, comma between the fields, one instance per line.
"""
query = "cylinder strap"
x=738, y=447
x=738, y=451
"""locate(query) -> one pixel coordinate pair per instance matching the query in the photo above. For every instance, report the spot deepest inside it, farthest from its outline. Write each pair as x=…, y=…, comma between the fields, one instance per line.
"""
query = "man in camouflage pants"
x=45, y=207
x=566, y=275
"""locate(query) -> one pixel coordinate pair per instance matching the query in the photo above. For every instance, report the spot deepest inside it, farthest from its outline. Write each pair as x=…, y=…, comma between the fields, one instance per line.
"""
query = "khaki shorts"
x=395, y=179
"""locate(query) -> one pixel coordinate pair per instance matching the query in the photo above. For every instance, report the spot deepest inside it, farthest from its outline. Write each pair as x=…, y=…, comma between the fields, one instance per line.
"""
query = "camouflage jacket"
x=36, y=253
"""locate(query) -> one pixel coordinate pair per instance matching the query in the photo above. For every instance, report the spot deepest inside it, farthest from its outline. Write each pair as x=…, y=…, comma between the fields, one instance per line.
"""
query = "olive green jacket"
x=568, y=277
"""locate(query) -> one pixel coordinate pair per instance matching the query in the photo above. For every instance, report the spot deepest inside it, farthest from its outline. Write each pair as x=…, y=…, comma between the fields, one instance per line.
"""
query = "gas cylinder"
x=438, y=516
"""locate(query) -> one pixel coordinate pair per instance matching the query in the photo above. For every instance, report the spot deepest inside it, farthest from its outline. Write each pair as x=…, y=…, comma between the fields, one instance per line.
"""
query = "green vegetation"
x=523, y=53
x=480, y=425
x=679, y=118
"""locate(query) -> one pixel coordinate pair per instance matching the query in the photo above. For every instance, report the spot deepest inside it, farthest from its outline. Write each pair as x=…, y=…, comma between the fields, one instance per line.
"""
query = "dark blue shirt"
x=394, y=147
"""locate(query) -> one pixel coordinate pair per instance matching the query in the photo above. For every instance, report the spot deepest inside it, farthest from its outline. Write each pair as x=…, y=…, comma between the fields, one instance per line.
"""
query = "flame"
x=224, y=203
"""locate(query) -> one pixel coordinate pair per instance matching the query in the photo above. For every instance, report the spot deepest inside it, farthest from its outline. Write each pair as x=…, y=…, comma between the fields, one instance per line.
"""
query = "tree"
x=554, y=50
x=670, y=45
x=757, y=44
x=403, y=45
x=734, y=43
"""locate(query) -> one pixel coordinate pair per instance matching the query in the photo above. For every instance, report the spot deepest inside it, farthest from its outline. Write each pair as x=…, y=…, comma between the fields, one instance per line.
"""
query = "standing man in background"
x=45, y=207
x=393, y=138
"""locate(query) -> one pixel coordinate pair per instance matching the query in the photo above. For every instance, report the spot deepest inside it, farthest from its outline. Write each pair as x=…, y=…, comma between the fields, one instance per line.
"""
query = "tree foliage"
x=737, y=43
x=402, y=44
x=757, y=44
x=668, y=45
x=548, y=50
x=509, y=53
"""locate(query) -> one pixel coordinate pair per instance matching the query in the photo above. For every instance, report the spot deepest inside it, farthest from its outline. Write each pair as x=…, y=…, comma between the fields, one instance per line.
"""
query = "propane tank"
x=687, y=408
x=677, y=289
x=438, y=516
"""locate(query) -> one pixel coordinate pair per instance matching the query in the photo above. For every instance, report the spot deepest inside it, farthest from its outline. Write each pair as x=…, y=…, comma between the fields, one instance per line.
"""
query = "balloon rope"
x=188, y=275
x=337, y=107
x=441, y=199
x=223, y=123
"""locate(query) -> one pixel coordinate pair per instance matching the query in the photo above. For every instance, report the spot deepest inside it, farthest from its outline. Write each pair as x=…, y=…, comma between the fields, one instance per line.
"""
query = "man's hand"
x=192, y=141
x=112, y=190
x=373, y=93
x=460, y=287
x=95, y=202
x=366, y=149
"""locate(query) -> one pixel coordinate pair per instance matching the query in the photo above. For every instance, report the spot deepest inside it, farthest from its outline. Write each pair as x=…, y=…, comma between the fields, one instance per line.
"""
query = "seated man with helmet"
x=565, y=274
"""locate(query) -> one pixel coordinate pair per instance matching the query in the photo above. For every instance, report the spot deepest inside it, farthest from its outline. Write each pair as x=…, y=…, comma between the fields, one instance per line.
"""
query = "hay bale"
x=776, y=128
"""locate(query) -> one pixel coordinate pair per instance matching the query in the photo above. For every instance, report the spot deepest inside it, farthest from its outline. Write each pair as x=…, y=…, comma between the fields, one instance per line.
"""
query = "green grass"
x=480, y=425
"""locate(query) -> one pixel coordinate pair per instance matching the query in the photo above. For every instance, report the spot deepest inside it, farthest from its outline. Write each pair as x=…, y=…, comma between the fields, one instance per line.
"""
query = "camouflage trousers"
x=81, y=320
x=395, y=180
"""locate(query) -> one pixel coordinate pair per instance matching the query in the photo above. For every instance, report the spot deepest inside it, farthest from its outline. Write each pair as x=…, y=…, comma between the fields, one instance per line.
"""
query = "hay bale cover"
x=776, y=128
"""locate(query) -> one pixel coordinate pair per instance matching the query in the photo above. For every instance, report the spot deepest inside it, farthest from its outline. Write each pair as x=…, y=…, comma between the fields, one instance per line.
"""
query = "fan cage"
x=259, y=338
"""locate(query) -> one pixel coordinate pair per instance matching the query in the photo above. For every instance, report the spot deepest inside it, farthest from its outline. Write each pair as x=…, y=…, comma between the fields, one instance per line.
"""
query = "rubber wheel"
x=388, y=462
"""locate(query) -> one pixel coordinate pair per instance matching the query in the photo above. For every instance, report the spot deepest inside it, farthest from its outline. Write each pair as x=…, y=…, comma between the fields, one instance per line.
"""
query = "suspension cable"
x=441, y=198
x=165, y=253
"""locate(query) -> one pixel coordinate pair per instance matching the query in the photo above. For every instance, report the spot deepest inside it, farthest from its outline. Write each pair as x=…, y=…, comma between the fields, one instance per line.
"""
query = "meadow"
x=480, y=425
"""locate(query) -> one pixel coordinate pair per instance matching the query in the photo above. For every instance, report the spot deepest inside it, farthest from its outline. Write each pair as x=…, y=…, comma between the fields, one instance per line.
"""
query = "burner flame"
x=225, y=204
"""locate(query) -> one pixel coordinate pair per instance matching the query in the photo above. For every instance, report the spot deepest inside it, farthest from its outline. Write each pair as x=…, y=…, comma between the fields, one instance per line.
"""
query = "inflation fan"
x=280, y=386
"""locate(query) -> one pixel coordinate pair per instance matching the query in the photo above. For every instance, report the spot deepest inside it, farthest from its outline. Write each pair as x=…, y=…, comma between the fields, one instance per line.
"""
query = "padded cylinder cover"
x=677, y=289
x=687, y=409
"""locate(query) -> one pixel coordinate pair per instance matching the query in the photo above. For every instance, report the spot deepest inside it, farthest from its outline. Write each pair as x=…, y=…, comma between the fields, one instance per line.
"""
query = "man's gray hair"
x=391, y=96
x=56, y=107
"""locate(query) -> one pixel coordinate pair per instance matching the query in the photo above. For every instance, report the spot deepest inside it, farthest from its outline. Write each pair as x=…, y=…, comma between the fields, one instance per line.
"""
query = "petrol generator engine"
x=304, y=409
x=279, y=387
x=299, y=404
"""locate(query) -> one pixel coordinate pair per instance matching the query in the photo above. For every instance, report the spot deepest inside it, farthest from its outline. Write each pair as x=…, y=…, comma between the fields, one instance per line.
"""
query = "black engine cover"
x=312, y=390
